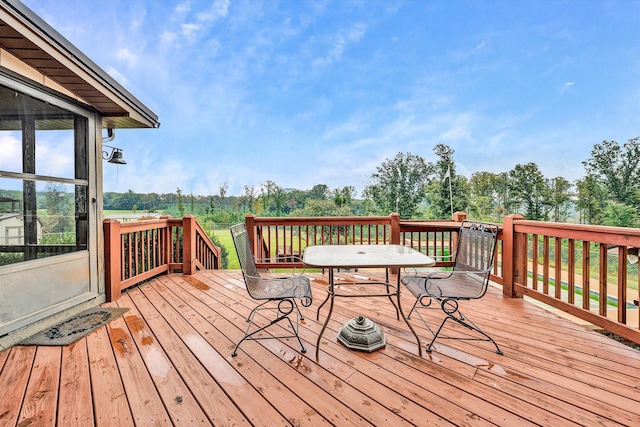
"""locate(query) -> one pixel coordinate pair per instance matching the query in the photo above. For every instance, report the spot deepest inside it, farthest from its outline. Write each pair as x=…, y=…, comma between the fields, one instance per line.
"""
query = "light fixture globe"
x=362, y=334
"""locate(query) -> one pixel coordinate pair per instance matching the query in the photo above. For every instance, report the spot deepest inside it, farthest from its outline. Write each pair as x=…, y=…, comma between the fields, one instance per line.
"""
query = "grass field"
x=224, y=236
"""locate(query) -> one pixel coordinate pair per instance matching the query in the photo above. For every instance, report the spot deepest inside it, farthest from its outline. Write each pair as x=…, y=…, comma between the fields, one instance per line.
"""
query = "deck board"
x=143, y=398
x=41, y=397
x=109, y=397
x=167, y=361
x=75, y=400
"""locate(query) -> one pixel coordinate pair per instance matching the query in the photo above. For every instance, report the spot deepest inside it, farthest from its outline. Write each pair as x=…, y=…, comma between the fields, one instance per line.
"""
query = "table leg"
x=405, y=319
x=326, y=322
x=323, y=302
x=386, y=270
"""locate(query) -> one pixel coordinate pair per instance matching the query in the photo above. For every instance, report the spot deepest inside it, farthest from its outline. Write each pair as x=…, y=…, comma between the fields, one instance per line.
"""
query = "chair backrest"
x=476, y=248
x=245, y=256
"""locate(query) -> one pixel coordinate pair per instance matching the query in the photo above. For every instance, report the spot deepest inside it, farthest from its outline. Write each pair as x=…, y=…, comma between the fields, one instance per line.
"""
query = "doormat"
x=74, y=328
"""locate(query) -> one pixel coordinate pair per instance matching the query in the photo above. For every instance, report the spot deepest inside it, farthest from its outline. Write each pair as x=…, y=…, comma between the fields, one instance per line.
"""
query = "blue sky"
x=322, y=92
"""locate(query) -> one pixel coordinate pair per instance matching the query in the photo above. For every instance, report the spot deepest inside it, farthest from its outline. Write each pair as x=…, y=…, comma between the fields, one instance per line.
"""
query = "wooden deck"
x=167, y=362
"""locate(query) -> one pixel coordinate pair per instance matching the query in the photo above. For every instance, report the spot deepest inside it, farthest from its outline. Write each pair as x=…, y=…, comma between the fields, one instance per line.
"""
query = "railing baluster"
x=558, y=268
x=602, y=288
x=571, y=268
x=622, y=284
x=545, y=264
x=586, y=272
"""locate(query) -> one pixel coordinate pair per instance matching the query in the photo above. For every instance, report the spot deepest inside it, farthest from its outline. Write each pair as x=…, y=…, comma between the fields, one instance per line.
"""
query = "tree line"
x=608, y=193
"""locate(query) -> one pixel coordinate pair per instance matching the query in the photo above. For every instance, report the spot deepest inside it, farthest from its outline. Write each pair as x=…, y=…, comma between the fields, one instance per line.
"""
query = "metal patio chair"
x=467, y=280
x=278, y=294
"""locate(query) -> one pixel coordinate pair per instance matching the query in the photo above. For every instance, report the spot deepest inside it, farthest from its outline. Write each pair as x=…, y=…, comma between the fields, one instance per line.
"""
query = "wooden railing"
x=137, y=251
x=280, y=242
x=567, y=266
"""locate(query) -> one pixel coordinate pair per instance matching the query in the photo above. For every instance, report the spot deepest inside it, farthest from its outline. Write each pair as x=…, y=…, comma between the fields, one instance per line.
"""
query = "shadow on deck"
x=167, y=361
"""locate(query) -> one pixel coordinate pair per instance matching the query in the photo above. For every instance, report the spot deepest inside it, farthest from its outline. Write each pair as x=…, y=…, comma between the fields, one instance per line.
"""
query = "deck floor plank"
x=182, y=406
x=41, y=397
x=554, y=372
x=75, y=401
x=110, y=403
x=144, y=401
x=13, y=382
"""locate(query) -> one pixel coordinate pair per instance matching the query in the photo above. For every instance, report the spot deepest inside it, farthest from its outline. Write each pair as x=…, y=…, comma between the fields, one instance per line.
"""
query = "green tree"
x=316, y=208
x=319, y=192
x=399, y=185
x=446, y=191
x=621, y=215
x=224, y=187
x=344, y=196
x=483, y=195
x=273, y=198
x=249, y=198
x=279, y=200
x=618, y=168
x=180, y=202
x=59, y=209
x=560, y=199
x=530, y=191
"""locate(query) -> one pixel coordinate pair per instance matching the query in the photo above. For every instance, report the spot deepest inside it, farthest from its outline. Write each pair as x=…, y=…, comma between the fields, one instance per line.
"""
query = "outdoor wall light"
x=114, y=157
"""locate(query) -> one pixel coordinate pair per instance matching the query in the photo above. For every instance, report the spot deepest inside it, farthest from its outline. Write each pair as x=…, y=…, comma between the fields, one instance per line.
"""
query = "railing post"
x=394, y=219
x=188, y=244
x=250, y=225
x=394, y=238
x=514, y=257
x=112, y=259
x=459, y=216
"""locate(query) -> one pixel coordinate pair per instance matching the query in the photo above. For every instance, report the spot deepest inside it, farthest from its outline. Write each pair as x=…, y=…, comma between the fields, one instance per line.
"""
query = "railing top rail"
x=437, y=225
x=339, y=220
x=621, y=236
x=147, y=224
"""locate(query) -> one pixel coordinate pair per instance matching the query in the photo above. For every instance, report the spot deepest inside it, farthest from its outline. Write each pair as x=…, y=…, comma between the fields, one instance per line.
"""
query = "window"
x=43, y=178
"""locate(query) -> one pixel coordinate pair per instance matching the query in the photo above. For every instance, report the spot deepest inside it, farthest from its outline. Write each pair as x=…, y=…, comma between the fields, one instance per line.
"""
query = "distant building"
x=12, y=229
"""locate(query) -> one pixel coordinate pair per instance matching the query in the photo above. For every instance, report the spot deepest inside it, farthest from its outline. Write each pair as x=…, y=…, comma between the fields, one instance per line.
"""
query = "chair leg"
x=302, y=349
x=281, y=315
x=450, y=308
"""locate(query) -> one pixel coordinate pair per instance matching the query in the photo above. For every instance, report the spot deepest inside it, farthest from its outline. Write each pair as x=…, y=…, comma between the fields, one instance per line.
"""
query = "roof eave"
x=133, y=112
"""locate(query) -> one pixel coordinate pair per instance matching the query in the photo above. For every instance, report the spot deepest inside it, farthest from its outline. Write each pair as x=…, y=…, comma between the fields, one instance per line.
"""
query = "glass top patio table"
x=365, y=256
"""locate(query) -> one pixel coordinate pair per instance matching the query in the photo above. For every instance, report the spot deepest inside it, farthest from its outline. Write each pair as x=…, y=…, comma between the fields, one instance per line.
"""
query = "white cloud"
x=11, y=149
x=138, y=21
x=340, y=42
x=189, y=31
x=125, y=55
x=167, y=38
x=182, y=9
x=566, y=86
x=219, y=9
